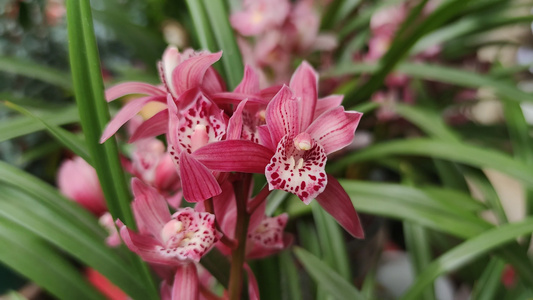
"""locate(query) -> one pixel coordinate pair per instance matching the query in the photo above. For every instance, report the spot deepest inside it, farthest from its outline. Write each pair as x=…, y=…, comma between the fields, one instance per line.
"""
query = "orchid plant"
x=266, y=149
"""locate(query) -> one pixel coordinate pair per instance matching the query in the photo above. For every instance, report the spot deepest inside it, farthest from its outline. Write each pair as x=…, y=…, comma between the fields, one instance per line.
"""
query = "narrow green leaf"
x=490, y=281
x=468, y=251
x=94, y=115
x=444, y=74
x=290, y=279
x=327, y=278
x=417, y=244
x=48, y=196
x=332, y=242
x=68, y=139
x=467, y=154
x=21, y=125
x=61, y=231
x=201, y=25
x=427, y=120
x=231, y=59
x=33, y=258
x=34, y=70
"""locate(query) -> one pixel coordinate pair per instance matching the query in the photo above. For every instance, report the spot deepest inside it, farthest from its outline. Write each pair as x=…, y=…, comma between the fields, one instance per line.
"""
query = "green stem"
x=241, y=188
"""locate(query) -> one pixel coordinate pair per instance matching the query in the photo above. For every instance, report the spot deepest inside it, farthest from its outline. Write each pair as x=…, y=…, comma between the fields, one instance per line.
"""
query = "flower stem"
x=241, y=188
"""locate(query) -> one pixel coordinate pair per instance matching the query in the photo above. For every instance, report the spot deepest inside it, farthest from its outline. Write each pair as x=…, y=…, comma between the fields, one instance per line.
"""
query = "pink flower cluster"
x=384, y=25
x=276, y=32
x=214, y=138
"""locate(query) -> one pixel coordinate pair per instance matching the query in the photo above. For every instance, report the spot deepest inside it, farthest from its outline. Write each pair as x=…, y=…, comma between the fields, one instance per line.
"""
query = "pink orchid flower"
x=166, y=239
x=179, y=73
x=296, y=143
x=78, y=181
x=259, y=16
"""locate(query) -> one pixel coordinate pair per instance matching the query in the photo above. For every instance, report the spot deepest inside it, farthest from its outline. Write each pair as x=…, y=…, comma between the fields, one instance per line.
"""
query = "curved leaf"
x=468, y=251
x=325, y=277
x=32, y=257
x=467, y=154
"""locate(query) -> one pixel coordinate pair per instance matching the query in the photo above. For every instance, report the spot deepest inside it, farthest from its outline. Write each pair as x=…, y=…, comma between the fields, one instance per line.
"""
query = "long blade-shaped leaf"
x=59, y=230
x=21, y=125
x=35, y=259
x=468, y=251
x=467, y=154
x=231, y=60
x=68, y=139
x=34, y=70
x=326, y=277
x=94, y=115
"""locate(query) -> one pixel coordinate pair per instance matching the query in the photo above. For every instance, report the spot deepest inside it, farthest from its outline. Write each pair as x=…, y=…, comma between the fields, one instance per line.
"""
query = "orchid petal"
x=186, y=285
x=197, y=181
x=170, y=60
x=190, y=73
x=156, y=125
x=213, y=82
x=265, y=138
x=234, y=156
x=334, y=129
x=235, y=123
x=145, y=246
x=282, y=115
x=236, y=98
x=249, y=83
x=297, y=171
x=260, y=252
x=127, y=112
x=304, y=83
x=327, y=103
x=198, y=122
x=149, y=207
x=196, y=236
x=269, y=233
x=128, y=88
x=337, y=203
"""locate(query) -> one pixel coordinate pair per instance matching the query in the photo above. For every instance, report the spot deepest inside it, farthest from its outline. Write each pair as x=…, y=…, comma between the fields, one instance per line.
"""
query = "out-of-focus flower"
x=259, y=16
x=78, y=181
x=106, y=221
x=54, y=11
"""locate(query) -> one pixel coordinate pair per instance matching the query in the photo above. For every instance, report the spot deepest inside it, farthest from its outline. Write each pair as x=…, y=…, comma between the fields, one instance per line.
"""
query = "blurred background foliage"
x=436, y=181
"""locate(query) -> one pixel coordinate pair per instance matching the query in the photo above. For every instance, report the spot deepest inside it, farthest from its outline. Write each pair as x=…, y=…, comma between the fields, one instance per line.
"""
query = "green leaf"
x=468, y=251
x=94, y=115
x=326, y=277
x=417, y=245
x=412, y=204
x=231, y=59
x=427, y=120
x=32, y=257
x=332, y=242
x=490, y=281
x=444, y=74
x=68, y=139
x=21, y=125
x=201, y=25
x=34, y=70
x=290, y=279
x=59, y=229
x=218, y=265
x=467, y=154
